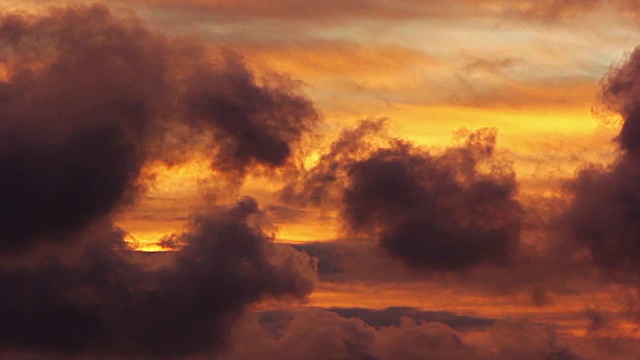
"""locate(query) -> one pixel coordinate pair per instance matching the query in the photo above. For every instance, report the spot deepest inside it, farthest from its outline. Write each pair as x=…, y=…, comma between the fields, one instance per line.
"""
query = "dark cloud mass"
x=392, y=316
x=321, y=334
x=436, y=212
x=88, y=99
x=250, y=123
x=82, y=89
x=605, y=214
x=108, y=302
x=447, y=211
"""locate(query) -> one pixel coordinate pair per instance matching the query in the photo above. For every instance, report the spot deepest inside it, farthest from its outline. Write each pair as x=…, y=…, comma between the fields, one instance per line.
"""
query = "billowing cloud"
x=249, y=123
x=433, y=211
x=324, y=181
x=109, y=301
x=436, y=212
x=320, y=334
x=605, y=214
x=87, y=99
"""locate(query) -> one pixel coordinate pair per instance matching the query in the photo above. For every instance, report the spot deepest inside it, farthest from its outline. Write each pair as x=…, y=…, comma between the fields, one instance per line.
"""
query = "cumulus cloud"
x=323, y=182
x=249, y=123
x=81, y=90
x=320, y=334
x=605, y=212
x=109, y=301
x=89, y=98
x=448, y=211
x=436, y=212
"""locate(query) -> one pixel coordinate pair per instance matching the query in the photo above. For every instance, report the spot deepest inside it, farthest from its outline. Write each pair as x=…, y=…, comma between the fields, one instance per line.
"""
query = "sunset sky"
x=365, y=179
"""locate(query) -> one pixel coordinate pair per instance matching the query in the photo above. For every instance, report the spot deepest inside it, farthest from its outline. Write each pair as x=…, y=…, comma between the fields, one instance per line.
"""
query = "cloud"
x=90, y=98
x=249, y=123
x=605, y=210
x=393, y=316
x=108, y=301
x=321, y=334
x=436, y=212
x=448, y=217
x=433, y=211
x=323, y=182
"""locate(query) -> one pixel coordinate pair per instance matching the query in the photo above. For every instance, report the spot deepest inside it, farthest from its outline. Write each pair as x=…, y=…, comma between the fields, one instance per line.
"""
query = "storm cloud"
x=249, y=123
x=605, y=213
x=87, y=99
x=81, y=91
x=110, y=301
x=320, y=334
x=435, y=211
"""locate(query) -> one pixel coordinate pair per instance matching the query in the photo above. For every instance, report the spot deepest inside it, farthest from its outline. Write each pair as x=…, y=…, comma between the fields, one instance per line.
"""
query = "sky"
x=369, y=179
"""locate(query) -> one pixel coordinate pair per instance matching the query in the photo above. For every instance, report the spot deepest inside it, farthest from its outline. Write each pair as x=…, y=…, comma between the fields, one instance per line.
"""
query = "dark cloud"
x=327, y=255
x=109, y=301
x=605, y=213
x=249, y=123
x=393, y=316
x=81, y=91
x=599, y=320
x=447, y=211
x=543, y=274
x=320, y=12
x=436, y=212
x=323, y=182
x=321, y=334
x=90, y=98
x=468, y=215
